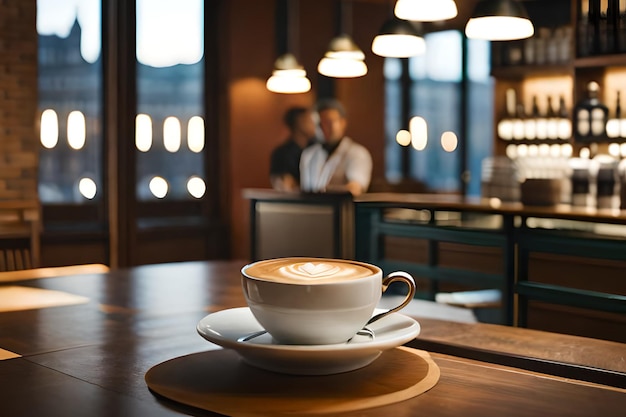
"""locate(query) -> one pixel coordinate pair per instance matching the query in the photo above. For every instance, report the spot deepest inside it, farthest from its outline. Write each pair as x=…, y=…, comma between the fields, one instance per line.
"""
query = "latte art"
x=308, y=270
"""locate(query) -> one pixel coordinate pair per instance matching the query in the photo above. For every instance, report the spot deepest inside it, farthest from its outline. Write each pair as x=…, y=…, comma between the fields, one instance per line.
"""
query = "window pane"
x=393, y=118
x=435, y=97
x=70, y=100
x=170, y=87
x=480, y=111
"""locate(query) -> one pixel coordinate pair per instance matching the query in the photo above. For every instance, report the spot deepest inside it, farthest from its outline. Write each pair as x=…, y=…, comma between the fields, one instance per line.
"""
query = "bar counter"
x=558, y=268
x=89, y=354
x=493, y=206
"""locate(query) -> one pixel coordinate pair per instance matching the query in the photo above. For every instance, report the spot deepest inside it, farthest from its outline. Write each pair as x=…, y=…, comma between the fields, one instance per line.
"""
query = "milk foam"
x=308, y=271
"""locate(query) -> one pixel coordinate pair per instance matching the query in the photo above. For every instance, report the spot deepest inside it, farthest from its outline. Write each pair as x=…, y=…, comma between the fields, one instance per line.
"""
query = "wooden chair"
x=19, y=235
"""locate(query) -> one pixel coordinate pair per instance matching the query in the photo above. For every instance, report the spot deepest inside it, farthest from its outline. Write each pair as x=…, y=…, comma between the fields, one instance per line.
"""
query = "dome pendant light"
x=343, y=59
x=398, y=39
x=425, y=10
x=499, y=20
x=288, y=76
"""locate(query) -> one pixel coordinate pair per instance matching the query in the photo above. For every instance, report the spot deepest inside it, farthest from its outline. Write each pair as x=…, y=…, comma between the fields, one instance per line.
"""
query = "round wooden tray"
x=219, y=381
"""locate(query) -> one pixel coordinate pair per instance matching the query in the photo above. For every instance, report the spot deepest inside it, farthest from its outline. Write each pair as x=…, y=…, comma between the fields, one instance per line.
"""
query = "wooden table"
x=91, y=358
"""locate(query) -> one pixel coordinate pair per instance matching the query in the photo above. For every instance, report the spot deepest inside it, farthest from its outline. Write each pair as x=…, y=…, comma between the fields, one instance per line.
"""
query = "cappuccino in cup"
x=311, y=301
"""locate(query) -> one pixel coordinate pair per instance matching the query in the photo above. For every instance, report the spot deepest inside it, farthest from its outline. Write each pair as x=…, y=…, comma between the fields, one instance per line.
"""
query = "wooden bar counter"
x=89, y=354
x=558, y=268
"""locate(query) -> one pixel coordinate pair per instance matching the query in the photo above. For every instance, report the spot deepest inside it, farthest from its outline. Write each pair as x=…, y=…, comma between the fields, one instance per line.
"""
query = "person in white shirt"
x=337, y=163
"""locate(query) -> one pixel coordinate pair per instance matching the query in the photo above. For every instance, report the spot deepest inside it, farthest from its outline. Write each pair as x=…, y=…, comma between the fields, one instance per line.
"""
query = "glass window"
x=479, y=111
x=70, y=101
x=436, y=98
x=435, y=85
x=169, y=128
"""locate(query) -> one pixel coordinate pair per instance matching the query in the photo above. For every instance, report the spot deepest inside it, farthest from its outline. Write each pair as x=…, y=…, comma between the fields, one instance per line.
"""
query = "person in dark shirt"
x=285, y=159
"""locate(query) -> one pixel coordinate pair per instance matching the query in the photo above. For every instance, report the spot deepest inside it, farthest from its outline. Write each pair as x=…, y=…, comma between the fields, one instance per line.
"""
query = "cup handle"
x=395, y=277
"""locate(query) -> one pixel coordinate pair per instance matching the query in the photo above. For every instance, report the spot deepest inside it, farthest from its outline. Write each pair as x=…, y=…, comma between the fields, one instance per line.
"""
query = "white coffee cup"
x=314, y=301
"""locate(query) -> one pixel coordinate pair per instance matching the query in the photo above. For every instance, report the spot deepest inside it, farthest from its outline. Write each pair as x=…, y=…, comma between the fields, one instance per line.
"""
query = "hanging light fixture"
x=343, y=59
x=288, y=76
x=398, y=39
x=425, y=10
x=499, y=20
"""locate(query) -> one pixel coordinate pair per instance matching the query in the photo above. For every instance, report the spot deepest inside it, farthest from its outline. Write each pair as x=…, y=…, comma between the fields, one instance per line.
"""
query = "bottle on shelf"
x=613, y=125
x=583, y=28
x=505, y=126
x=530, y=124
x=612, y=26
x=541, y=122
x=621, y=30
x=594, y=23
x=518, y=123
x=603, y=28
x=590, y=116
x=552, y=121
x=565, y=124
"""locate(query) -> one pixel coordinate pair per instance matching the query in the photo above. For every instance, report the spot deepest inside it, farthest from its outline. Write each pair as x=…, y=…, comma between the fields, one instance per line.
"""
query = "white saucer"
x=225, y=327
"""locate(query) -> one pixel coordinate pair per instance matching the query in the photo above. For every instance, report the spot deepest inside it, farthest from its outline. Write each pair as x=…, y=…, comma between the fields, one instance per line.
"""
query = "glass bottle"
x=518, y=123
x=530, y=124
x=565, y=124
x=541, y=121
x=583, y=28
x=590, y=116
x=505, y=126
x=613, y=127
x=552, y=121
x=594, y=23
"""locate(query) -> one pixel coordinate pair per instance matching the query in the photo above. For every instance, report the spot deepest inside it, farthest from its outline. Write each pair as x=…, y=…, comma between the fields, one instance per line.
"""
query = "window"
x=433, y=135
x=170, y=121
x=70, y=101
x=124, y=145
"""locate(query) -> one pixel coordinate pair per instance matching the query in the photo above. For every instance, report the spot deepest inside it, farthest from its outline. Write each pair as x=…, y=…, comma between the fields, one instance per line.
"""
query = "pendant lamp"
x=343, y=59
x=288, y=76
x=499, y=20
x=398, y=39
x=425, y=10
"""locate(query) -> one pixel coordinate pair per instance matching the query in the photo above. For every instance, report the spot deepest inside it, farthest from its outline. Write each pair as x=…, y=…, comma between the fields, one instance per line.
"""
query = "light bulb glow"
x=292, y=81
x=419, y=133
x=499, y=28
x=403, y=137
x=449, y=141
x=341, y=68
x=87, y=188
x=425, y=10
x=171, y=134
x=195, y=134
x=49, y=129
x=76, y=130
x=398, y=46
x=158, y=187
x=196, y=187
x=143, y=132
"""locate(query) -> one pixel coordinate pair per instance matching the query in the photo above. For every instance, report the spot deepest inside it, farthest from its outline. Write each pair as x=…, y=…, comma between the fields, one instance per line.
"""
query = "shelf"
x=516, y=72
x=601, y=61
x=535, y=141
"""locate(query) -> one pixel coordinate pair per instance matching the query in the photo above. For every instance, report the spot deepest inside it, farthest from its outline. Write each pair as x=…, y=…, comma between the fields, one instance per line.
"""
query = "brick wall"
x=19, y=142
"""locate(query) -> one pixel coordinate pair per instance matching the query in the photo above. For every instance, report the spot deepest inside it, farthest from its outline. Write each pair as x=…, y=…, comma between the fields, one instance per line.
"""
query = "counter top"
x=453, y=202
x=491, y=206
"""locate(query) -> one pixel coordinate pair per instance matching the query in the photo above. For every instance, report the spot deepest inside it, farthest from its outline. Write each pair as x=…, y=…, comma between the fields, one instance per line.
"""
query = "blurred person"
x=337, y=163
x=285, y=158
